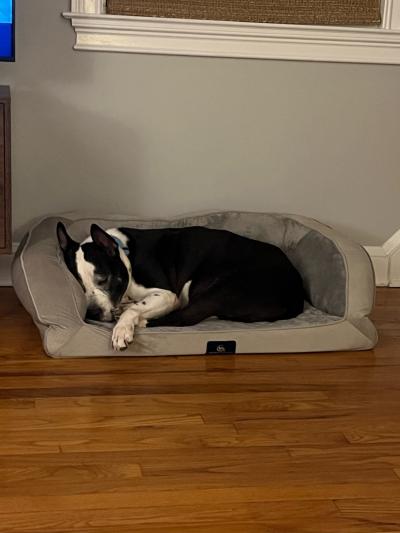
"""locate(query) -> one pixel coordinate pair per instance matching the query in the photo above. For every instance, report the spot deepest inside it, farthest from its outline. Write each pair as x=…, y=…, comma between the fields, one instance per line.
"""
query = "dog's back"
x=230, y=276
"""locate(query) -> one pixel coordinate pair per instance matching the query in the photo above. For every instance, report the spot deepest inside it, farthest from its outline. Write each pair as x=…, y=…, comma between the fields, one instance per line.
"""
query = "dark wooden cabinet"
x=5, y=170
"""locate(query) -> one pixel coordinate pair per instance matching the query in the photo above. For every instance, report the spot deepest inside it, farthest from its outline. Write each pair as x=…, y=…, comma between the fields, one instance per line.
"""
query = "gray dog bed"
x=337, y=274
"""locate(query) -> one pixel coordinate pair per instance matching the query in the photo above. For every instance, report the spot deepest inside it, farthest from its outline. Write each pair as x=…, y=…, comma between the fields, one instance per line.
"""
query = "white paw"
x=142, y=323
x=122, y=335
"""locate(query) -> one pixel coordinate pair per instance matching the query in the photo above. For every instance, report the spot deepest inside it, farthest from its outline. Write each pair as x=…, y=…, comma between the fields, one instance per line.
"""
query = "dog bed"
x=337, y=273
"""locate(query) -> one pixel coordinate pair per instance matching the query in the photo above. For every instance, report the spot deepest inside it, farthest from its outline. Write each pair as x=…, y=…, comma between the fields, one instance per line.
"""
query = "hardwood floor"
x=216, y=444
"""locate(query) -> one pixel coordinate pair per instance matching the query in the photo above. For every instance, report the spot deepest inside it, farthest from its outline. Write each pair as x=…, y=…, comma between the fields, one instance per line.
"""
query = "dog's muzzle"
x=99, y=315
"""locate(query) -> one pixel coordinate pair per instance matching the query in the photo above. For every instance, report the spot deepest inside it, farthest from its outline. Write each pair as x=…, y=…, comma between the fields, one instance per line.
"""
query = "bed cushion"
x=337, y=273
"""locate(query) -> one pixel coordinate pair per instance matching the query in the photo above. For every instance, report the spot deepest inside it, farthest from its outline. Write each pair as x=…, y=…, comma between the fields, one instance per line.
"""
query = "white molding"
x=96, y=30
x=386, y=261
x=392, y=248
x=88, y=6
x=380, y=262
x=391, y=14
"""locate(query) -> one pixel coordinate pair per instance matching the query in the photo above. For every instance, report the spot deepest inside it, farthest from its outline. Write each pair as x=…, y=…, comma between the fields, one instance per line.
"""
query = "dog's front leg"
x=156, y=303
x=125, y=328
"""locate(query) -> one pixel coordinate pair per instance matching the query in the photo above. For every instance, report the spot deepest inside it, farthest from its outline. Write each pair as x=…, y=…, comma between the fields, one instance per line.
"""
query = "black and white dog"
x=179, y=277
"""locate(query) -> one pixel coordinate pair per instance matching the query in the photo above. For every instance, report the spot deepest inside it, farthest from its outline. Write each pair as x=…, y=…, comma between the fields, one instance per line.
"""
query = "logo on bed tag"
x=221, y=347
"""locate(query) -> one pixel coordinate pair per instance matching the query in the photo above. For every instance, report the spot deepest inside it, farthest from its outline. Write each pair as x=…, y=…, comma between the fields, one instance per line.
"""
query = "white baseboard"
x=386, y=261
x=392, y=249
x=380, y=260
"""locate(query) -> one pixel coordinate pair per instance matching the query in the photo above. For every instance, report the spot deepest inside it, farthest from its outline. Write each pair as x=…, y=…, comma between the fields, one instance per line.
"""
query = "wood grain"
x=240, y=444
x=5, y=170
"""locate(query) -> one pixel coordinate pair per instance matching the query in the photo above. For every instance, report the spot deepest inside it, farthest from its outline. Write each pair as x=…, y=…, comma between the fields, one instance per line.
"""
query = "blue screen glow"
x=6, y=29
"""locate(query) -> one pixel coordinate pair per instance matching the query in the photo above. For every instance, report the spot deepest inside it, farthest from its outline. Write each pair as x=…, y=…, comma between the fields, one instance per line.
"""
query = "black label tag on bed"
x=221, y=347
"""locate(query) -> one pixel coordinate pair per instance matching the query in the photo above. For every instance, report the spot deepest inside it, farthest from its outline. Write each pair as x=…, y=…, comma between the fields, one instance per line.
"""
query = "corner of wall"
x=5, y=268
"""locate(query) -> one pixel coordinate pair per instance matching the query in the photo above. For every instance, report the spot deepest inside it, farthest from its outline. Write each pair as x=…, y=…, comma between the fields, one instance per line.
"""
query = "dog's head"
x=100, y=266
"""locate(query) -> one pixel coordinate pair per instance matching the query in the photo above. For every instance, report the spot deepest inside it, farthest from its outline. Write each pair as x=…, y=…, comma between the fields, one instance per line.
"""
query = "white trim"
x=380, y=261
x=390, y=14
x=392, y=248
x=386, y=261
x=96, y=30
x=88, y=6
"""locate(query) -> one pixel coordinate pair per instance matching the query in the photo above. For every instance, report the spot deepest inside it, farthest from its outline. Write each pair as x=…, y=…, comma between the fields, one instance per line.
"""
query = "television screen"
x=6, y=30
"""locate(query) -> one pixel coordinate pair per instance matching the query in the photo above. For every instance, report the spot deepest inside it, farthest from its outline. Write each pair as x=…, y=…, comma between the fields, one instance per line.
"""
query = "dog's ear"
x=64, y=239
x=103, y=239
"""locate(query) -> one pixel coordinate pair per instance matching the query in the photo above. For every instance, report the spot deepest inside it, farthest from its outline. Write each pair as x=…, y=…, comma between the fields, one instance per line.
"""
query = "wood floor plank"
x=17, y=478
x=183, y=517
x=251, y=517
x=104, y=439
x=389, y=506
x=386, y=454
x=147, y=495
x=374, y=434
x=12, y=420
x=188, y=458
x=294, y=479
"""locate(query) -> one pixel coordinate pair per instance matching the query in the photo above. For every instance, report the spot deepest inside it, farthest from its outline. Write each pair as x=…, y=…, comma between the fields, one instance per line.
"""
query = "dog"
x=179, y=277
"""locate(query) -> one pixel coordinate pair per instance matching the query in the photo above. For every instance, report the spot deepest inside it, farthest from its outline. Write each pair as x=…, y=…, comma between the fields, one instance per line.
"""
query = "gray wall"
x=167, y=135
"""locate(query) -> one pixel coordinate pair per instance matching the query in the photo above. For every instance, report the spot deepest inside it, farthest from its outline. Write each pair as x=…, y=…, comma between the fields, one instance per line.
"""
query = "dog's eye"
x=102, y=280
